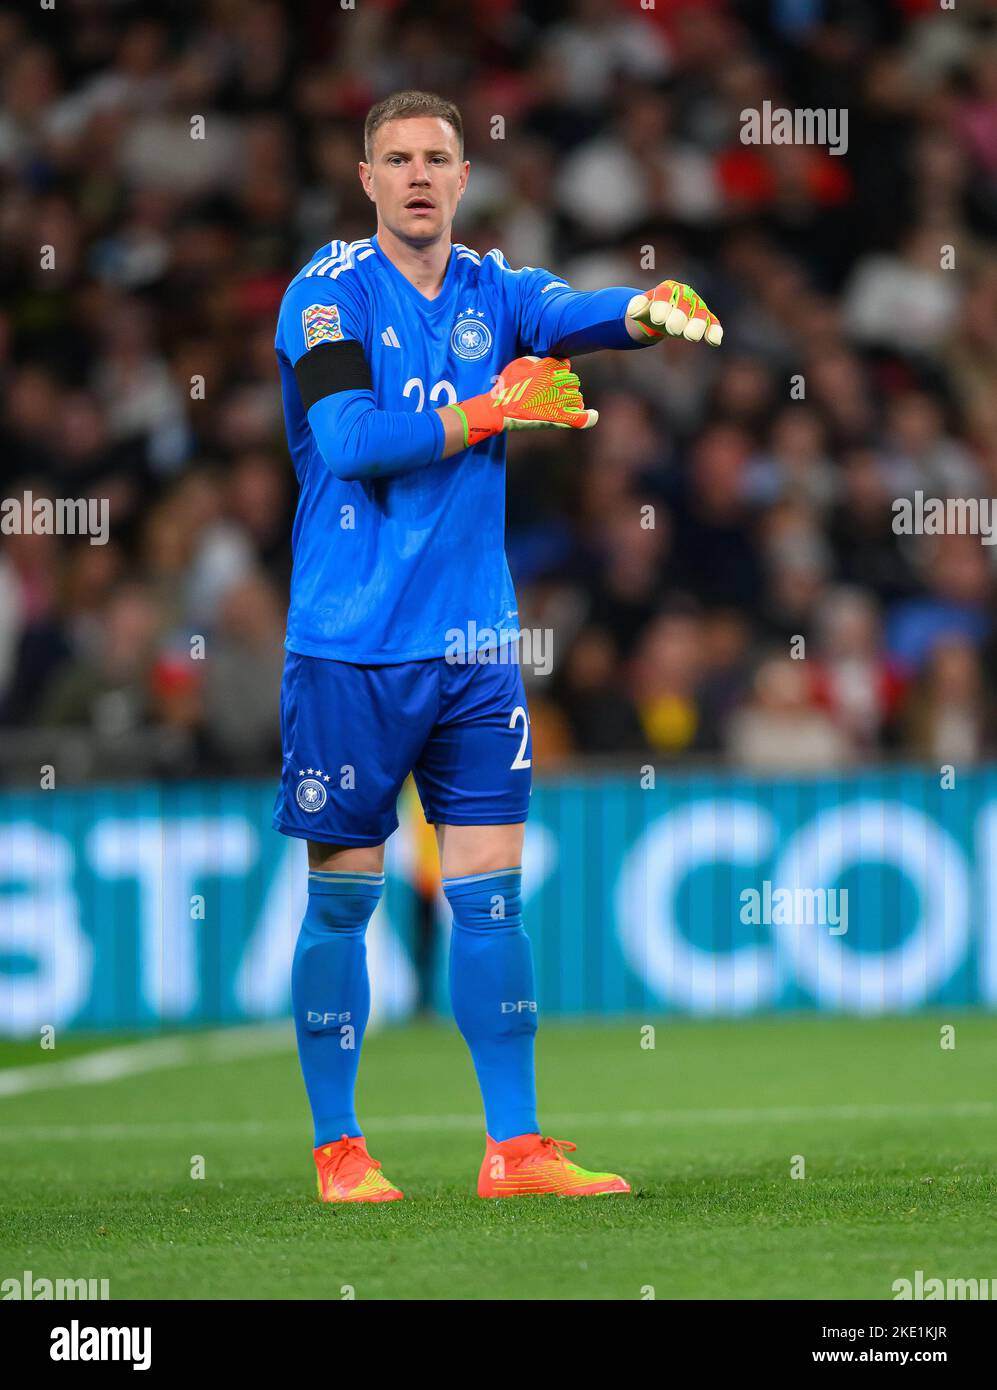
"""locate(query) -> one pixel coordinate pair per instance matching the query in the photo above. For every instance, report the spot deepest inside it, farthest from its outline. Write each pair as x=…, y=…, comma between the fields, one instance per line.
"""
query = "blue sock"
x=493, y=996
x=330, y=995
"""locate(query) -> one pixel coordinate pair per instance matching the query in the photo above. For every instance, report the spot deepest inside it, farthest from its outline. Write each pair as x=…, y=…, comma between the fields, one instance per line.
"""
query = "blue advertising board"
x=150, y=906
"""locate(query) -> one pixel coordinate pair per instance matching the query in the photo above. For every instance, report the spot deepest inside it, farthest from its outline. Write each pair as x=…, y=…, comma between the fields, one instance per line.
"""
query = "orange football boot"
x=530, y=1166
x=347, y=1173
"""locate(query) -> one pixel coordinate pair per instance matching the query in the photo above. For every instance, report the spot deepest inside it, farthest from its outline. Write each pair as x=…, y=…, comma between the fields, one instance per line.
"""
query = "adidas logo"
x=390, y=338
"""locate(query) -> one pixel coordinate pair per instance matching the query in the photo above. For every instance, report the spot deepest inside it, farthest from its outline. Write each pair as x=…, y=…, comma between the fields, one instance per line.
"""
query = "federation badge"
x=311, y=794
x=471, y=339
x=321, y=324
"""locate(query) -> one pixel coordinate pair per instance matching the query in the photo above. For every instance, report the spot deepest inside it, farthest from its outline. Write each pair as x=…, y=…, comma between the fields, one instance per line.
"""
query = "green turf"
x=898, y=1136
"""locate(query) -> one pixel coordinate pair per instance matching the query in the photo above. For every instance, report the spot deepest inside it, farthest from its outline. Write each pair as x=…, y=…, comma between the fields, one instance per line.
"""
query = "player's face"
x=416, y=177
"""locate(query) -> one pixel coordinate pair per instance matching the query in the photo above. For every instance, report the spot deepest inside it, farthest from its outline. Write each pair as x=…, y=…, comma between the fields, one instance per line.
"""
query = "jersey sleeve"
x=316, y=311
x=321, y=330
x=554, y=319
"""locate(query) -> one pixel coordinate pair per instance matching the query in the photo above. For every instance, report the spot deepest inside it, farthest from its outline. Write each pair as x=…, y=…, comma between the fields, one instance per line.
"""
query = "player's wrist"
x=480, y=417
x=458, y=410
x=639, y=332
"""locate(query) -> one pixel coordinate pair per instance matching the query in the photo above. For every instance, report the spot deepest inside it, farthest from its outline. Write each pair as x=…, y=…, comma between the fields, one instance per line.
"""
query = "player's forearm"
x=618, y=318
x=580, y=322
x=358, y=441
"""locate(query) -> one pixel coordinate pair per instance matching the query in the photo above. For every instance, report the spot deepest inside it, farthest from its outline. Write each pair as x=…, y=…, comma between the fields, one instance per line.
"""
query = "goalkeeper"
x=404, y=359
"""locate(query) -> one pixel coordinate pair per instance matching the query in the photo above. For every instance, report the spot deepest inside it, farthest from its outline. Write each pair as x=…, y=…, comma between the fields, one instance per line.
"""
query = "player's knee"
x=486, y=902
x=341, y=903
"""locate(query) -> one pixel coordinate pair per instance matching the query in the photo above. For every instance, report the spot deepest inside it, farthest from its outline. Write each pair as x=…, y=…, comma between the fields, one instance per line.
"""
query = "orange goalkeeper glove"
x=675, y=310
x=532, y=393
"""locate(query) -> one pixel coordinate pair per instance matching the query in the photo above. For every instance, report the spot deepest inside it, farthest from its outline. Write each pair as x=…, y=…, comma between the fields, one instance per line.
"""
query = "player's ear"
x=365, y=178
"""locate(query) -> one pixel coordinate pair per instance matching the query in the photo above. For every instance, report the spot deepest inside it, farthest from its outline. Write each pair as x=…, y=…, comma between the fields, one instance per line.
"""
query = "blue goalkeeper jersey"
x=399, y=554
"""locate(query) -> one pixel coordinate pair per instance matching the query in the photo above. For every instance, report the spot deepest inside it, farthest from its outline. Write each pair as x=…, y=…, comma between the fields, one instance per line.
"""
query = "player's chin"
x=418, y=222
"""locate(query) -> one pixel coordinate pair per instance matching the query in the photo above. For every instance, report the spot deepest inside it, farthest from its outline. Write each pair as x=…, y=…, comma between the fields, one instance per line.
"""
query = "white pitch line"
x=229, y=1044
x=156, y=1054
x=417, y=1124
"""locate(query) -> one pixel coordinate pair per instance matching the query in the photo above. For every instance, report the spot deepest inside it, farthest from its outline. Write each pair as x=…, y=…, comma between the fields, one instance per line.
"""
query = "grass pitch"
x=897, y=1135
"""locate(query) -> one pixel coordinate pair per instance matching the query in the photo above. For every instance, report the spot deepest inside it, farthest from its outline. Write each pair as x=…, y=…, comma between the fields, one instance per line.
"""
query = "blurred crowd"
x=717, y=561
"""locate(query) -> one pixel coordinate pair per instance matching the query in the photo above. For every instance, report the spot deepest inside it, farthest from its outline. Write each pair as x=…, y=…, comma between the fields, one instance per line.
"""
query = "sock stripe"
x=343, y=873
x=480, y=878
x=326, y=879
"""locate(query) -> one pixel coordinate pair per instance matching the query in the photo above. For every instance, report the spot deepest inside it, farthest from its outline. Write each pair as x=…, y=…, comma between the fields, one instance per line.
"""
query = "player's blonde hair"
x=401, y=105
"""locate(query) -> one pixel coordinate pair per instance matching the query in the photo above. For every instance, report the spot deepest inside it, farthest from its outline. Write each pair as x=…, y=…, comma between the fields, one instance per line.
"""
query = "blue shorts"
x=352, y=734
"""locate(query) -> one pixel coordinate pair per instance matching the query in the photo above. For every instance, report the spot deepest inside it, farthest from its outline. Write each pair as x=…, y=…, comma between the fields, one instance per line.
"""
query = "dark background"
x=621, y=139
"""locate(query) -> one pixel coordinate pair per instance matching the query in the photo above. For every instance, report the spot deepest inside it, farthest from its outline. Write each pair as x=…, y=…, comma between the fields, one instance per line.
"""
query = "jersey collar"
x=427, y=305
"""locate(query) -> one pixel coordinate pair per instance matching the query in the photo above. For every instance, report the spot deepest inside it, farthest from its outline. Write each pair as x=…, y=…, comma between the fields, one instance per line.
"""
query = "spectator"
x=949, y=720
x=640, y=170
x=780, y=729
x=602, y=716
x=853, y=679
x=110, y=690
x=906, y=301
x=244, y=664
x=667, y=671
x=954, y=604
x=716, y=554
x=726, y=645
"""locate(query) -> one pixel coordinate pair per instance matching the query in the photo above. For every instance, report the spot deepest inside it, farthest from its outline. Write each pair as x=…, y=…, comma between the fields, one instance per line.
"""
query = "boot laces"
x=556, y=1148
x=352, y=1149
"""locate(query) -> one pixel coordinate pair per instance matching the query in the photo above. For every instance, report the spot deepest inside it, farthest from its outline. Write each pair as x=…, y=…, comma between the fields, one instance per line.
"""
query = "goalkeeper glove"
x=675, y=310
x=531, y=393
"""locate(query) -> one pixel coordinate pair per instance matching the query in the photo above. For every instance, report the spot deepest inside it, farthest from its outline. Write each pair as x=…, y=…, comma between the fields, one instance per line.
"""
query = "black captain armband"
x=332, y=367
